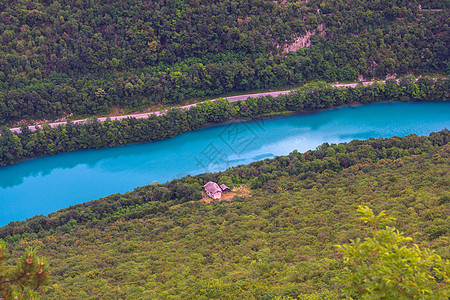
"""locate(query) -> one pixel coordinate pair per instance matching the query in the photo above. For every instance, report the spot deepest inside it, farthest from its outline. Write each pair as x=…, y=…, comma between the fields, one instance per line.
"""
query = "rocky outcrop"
x=304, y=41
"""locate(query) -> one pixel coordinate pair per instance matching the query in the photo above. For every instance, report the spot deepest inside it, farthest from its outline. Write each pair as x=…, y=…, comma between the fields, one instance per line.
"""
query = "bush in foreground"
x=383, y=267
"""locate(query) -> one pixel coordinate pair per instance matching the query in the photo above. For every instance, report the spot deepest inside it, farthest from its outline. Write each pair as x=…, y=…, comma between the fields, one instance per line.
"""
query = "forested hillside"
x=59, y=58
x=163, y=242
x=274, y=235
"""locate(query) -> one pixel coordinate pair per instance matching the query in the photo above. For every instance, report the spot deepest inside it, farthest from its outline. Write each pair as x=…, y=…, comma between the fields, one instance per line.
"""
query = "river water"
x=44, y=185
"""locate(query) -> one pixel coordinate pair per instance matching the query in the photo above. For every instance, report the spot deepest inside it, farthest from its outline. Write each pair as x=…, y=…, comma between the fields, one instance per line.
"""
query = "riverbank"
x=231, y=98
x=94, y=134
x=257, y=118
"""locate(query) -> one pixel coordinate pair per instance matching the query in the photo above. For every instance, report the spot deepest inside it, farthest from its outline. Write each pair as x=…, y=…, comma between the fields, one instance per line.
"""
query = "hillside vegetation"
x=164, y=242
x=61, y=57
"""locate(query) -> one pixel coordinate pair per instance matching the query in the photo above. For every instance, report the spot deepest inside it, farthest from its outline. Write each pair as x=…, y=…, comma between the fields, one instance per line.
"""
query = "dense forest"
x=162, y=241
x=62, y=58
x=94, y=134
x=289, y=227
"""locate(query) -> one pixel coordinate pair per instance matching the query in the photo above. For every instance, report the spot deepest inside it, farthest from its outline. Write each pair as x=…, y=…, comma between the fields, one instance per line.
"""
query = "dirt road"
x=161, y=112
x=158, y=113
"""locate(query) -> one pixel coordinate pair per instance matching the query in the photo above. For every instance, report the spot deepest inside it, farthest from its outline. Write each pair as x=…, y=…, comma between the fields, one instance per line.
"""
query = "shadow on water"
x=14, y=175
x=137, y=156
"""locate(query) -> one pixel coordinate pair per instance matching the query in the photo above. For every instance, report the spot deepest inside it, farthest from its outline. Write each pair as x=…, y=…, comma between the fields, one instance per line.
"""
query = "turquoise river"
x=44, y=185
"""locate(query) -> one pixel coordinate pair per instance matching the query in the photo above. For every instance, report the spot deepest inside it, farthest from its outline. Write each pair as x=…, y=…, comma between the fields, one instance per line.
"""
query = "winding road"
x=161, y=112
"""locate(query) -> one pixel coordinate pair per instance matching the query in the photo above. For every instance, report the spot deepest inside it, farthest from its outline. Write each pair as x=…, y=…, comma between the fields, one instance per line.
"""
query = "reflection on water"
x=43, y=185
x=45, y=165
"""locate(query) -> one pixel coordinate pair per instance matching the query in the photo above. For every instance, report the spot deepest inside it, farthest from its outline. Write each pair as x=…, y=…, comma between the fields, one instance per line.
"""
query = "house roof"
x=212, y=187
x=224, y=187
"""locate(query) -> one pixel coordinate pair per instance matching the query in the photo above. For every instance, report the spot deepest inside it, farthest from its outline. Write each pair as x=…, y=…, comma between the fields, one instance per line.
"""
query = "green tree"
x=23, y=280
x=386, y=267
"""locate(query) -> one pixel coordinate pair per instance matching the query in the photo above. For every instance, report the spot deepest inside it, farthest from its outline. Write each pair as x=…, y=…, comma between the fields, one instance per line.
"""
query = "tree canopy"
x=57, y=56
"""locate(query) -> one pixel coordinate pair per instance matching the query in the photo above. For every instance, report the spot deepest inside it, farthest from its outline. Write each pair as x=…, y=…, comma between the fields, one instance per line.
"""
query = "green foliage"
x=315, y=296
x=55, y=56
x=384, y=267
x=22, y=281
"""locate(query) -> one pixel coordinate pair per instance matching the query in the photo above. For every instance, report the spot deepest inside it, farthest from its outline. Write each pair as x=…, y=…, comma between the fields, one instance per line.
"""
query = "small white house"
x=213, y=190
